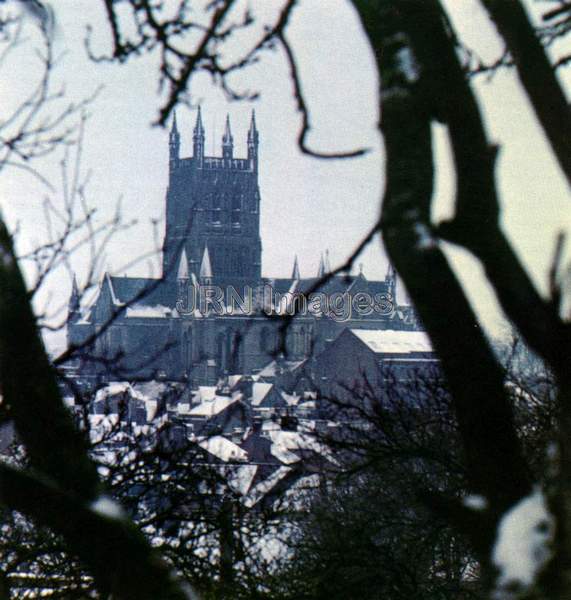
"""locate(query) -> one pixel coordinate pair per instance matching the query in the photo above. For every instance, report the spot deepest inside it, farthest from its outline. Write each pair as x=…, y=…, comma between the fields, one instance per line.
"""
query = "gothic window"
x=299, y=340
x=245, y=259
x=307, y=343
x=216, y=259
x=234, y=341
x=221, y=352
x=267, y=340
x=216, y=209
x=188, y=350
x=236, y=208
x=235, y=263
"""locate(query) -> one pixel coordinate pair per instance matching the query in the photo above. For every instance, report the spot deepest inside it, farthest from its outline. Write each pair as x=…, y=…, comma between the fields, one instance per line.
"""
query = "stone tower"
x=214, y=203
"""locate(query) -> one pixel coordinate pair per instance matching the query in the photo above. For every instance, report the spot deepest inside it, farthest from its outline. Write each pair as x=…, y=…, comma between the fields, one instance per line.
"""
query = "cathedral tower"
x=214, y=202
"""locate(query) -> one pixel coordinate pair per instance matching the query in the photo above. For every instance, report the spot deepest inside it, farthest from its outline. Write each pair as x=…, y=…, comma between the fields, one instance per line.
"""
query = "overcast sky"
x=308, y=205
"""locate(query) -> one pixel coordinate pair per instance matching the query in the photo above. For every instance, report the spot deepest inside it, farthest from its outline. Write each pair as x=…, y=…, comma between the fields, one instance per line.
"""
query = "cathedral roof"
x=337, y=284
x=143, y=290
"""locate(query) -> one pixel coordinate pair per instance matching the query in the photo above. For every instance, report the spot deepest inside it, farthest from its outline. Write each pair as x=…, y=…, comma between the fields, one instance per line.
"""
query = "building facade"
x=212, y=314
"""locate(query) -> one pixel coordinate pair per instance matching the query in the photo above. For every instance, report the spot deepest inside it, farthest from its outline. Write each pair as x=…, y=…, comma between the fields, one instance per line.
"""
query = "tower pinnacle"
x=174, y=128
x=227, y=140
x=327, y=263
x=182, y=266
x=198, y=137
x=321, y=268
x=391, y=279
x=295, y=273
x=174, y=144
x=74, y=309
x=206, y=266
x=253, y=140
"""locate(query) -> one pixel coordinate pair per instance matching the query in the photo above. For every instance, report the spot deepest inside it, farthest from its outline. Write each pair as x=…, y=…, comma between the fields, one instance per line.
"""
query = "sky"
x=308, y=205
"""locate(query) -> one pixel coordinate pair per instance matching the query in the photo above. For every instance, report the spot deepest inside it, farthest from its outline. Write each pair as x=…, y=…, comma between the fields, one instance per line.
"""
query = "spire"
x=391, y=272
x=198, y=137
x=174, y=128
x=227, y=140
x=253, y=140
x=74, y=304
x=182, y=266
x=326, y=263
x=198, y=126
x=295, y=273
x=205, y=266
x=74, y=297
x=253, y=131
x=321, y=268
x=174, y=144
x=391, y=280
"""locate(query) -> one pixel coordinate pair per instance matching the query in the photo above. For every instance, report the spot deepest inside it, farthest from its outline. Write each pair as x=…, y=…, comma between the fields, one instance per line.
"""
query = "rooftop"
x=394, y=342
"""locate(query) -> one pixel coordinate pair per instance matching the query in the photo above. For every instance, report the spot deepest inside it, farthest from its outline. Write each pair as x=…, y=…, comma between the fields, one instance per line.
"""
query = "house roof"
x=388, y=341
x=223, y=448
x=259, y=392
x=210, y=408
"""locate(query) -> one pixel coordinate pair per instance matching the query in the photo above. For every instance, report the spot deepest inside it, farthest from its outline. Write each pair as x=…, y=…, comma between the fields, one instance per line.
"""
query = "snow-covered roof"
x=114, y=298
x=117, y=387
x=240, y=479
x=214, y=406
x=270, y=370
x=223, y=448
x=285, y=443
x=234, y=379
x=204, y=393
x=273, y=368
x=394, y=342
x=259, y=392
x=154, y=312
x=262, y=488
x=151, y=390
x=291, y=399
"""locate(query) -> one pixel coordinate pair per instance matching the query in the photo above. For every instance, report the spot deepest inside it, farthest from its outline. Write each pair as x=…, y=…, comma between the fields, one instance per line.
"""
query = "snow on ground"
x=523, y=545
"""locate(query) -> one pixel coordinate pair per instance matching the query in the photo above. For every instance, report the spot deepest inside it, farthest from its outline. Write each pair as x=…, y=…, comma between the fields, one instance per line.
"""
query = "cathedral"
x=212, y=314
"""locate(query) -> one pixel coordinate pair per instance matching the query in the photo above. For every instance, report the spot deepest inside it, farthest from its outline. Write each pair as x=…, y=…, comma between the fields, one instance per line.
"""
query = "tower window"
x=236, y=208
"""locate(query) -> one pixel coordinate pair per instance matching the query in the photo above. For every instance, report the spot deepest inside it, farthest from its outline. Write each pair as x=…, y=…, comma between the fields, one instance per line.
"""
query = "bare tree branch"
x=537, y=76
